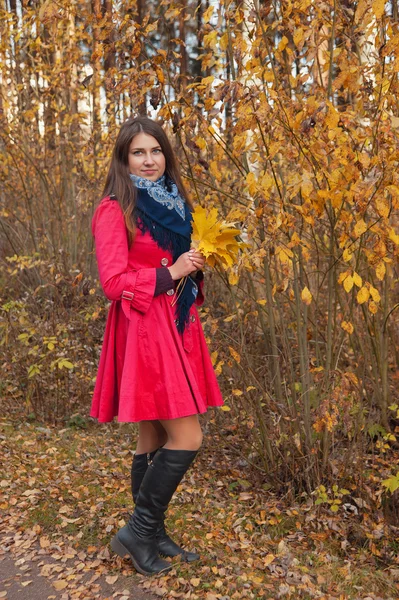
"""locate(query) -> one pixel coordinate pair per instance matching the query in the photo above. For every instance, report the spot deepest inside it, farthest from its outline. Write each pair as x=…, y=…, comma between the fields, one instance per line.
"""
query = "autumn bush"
x=51, y=336
x=284, y=118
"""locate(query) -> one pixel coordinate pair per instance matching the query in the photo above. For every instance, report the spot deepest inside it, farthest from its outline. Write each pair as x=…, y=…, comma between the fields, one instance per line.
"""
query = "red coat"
x=147, y=369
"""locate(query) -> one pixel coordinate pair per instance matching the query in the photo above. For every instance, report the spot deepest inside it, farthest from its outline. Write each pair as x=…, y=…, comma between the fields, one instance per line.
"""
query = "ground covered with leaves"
x=65, y=492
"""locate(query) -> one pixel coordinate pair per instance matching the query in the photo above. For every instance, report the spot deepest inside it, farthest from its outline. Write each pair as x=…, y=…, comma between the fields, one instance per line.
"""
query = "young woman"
x=155, y=367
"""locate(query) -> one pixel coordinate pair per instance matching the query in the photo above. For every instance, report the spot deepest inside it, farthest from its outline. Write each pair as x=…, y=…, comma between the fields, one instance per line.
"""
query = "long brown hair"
x=118, y=181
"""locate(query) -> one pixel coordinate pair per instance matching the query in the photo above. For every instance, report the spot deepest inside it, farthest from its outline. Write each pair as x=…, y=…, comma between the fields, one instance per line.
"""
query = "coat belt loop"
x=127, y=298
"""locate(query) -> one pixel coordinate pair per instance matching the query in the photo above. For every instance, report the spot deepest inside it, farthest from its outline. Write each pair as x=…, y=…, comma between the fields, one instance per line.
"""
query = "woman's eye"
x=157, y=150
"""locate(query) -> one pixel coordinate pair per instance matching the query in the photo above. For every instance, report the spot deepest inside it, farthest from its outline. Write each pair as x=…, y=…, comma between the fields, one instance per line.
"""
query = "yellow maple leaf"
x=214, y=238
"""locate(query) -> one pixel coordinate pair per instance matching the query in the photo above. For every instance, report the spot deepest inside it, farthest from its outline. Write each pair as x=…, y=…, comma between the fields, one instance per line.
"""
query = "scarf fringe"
x=183, y=305
x=176, y=244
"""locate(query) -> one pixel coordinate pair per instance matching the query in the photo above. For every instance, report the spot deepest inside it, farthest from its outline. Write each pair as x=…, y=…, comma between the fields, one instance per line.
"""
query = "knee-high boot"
x=139, y=467
x=166, y=546
x=138, y=537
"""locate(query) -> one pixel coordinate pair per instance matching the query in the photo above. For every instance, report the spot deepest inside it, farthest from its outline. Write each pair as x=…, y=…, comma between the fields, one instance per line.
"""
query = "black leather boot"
x=139, y=467
x=138, y=537
x=166, y=546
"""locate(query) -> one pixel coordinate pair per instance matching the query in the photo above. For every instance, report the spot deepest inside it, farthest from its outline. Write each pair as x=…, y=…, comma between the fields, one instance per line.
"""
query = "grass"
x=45, y=515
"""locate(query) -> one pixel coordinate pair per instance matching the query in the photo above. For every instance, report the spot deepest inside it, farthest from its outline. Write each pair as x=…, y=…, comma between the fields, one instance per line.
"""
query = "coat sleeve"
x=134, y=287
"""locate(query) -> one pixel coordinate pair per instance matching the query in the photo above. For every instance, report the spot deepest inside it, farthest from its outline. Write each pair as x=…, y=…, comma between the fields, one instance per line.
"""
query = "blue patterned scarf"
x=162, y=212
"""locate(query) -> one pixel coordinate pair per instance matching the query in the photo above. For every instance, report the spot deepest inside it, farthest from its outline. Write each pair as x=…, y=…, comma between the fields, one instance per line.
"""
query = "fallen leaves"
x=251, y=544
x=61, y=584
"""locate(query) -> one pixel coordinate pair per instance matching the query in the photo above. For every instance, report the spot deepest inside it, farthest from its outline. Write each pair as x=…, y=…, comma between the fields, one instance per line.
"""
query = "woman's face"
x=146, y=158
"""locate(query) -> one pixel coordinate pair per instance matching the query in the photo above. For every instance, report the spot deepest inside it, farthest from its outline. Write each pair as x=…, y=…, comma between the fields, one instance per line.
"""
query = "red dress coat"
x=147, y=369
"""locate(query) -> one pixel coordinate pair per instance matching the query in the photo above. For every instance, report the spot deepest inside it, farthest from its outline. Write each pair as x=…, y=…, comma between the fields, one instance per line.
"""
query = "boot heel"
x=117, y=547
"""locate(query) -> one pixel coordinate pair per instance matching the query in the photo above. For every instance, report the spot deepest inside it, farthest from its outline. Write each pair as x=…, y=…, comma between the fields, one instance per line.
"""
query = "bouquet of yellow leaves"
x=215, y=239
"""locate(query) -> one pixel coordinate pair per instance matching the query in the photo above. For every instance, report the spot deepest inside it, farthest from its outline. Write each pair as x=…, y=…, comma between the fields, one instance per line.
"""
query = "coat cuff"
x=138, y=291
x=164, y=281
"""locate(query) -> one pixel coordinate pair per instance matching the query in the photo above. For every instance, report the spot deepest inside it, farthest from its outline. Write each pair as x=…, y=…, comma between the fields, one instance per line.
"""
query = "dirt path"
x=35, y=573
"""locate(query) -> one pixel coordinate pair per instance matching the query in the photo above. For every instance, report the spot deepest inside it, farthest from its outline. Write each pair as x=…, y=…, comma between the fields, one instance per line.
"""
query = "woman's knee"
x=151, y=436
x=185, y=434
x=193, y=442
x=198, y=439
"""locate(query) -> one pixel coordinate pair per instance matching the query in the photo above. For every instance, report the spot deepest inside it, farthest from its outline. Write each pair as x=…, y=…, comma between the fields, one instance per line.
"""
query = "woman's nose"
x=149, y=159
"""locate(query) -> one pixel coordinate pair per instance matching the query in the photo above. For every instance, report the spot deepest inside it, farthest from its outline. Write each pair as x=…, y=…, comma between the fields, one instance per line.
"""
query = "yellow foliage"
x=233, y=278
x=306, y=295
x=378, y=7
x=347, y=326
x=347, y=255
x=284, y=254
x=375, y=294
x=363, y=295
x=394, y=237
x=215, y=239
x=235, y=354
x=357, y=280
x=207, y=14
x=210, y=40
x=332, y=117
x=380, y=270
x=348, y=283
x=382, y=207
x=373, y=307
x=360, y=228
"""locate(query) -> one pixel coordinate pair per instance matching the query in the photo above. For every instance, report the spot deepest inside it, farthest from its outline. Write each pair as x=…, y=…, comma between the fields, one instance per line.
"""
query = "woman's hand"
x=187, y=263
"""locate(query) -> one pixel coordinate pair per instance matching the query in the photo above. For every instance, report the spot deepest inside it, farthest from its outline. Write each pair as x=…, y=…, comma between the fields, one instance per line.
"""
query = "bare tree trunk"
x=142, y=106
x=109, y=65
x=183, y=52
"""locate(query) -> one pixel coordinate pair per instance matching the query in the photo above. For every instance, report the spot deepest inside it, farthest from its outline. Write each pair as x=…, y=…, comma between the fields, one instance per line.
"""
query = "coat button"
x=170, y=292
x=164, y=262
x=192, y=318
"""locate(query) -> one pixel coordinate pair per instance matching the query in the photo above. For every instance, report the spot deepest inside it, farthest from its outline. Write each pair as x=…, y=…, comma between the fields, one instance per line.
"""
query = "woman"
x=155, y=367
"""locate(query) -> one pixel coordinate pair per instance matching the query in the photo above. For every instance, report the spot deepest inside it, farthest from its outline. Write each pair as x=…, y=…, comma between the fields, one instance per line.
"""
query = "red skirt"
x=148, y=371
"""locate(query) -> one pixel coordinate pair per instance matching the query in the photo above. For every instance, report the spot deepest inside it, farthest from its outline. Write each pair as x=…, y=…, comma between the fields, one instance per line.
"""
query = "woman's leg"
x=151, y=436
x=139, y=537
x=183, y=434
x=184, y=440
